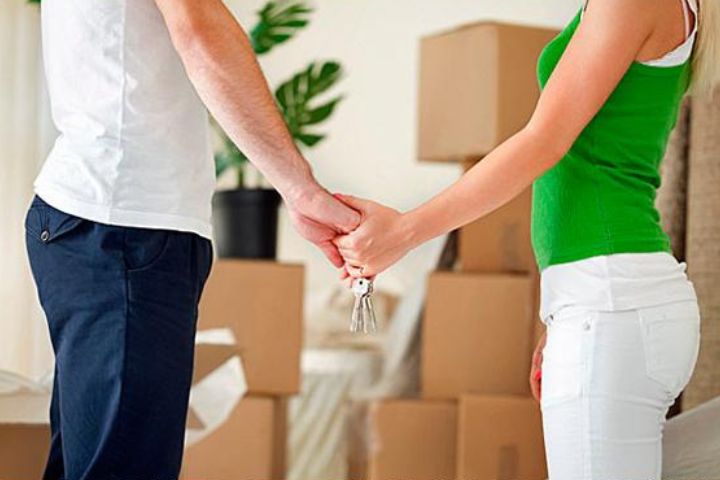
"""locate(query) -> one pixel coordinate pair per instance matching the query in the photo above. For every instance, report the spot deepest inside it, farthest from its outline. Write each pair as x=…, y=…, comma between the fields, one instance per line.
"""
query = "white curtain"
x=24, y=135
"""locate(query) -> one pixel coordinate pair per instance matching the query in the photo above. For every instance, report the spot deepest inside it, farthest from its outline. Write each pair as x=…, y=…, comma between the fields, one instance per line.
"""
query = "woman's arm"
x=605, y=44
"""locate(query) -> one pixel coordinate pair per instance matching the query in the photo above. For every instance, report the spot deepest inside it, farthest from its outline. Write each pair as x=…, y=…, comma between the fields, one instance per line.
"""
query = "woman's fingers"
x=361, y=271
x=355, y=271
x=537, y=355
x=536, y=368
x=346, y=242
x=535, y=383
x=351, y=256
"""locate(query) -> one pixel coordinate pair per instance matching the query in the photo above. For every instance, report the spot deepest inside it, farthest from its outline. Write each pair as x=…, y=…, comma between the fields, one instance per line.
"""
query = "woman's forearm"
x=490, y=184
x=385, y=235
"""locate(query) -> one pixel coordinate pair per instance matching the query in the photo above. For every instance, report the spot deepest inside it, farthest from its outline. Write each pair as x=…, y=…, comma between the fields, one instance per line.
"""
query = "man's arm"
x=221, y=64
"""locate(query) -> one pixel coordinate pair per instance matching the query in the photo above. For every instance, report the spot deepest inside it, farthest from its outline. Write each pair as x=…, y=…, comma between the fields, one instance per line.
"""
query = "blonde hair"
x=706, y=61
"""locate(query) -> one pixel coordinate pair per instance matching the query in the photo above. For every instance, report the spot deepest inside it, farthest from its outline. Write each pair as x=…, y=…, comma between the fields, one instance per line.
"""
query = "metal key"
x=363, y=314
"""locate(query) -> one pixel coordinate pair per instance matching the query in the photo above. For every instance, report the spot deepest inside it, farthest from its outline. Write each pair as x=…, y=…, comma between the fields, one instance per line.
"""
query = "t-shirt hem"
x=119, y=217
x=631, y=246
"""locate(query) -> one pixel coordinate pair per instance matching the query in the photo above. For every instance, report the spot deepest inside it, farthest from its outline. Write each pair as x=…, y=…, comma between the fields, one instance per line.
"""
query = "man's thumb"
x=355, y=203
x=347, y=212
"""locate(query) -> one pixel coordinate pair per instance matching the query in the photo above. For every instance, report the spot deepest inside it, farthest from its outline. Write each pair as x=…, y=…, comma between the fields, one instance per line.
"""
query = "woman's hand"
x=382, y=238
x=536, y=368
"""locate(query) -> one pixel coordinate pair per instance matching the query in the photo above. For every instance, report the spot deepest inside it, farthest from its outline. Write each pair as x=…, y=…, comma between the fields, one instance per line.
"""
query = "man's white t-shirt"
x=134, y=146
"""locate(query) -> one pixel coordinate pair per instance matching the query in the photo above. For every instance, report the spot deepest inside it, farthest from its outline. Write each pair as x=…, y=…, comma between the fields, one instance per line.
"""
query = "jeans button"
x=45, y=236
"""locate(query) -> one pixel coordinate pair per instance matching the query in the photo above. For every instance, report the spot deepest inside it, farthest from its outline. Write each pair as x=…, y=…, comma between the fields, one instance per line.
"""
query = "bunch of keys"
x=363, y=314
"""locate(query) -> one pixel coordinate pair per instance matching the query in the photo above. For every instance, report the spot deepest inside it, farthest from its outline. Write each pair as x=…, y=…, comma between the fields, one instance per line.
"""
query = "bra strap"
x=686, y=15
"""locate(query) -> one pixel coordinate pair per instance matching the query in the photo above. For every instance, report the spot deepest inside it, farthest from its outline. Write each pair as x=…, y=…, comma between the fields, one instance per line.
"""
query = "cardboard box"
x=538, y=326
x=262, y=302
x=23, y=450
x=500, y=438
x=478, y=86
x=358, y=436
x=476, y=335
x=499, y=242
x=413, y=440
x=250, y=445
x=24, y=428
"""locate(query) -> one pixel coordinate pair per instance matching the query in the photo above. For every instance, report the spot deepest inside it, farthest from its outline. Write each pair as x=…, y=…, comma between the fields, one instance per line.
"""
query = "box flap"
x=209, y=357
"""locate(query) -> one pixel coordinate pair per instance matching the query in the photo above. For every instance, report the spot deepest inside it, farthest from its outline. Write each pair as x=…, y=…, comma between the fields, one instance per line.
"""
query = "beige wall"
x=370, y=151
x=371, y=147
x=24, y=343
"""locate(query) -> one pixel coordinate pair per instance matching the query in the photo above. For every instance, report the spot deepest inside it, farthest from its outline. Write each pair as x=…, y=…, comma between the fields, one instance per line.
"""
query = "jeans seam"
x=123, y=370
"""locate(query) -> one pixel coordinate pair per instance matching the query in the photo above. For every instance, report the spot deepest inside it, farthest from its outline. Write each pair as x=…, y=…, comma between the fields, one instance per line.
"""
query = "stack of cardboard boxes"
x=475, y=418
x=261, y=302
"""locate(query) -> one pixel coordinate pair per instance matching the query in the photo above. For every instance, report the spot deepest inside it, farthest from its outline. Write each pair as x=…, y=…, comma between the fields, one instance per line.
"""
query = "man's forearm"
x=221, y=64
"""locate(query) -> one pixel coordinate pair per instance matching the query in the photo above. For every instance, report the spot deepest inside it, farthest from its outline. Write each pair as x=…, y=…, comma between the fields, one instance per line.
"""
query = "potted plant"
x=245, y=219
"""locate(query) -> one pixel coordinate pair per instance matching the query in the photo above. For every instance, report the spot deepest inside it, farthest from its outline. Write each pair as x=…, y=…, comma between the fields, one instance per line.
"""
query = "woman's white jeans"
x=608, y=379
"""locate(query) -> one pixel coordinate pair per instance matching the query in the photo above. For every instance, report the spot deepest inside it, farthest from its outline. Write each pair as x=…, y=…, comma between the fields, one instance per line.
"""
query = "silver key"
x=363, y=314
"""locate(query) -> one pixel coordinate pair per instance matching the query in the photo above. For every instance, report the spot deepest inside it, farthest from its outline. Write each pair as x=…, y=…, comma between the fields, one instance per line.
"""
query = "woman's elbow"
x=549, y=145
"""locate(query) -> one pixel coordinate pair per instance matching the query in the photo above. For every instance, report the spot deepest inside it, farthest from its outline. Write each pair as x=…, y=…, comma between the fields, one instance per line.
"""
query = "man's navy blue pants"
x=121, y=305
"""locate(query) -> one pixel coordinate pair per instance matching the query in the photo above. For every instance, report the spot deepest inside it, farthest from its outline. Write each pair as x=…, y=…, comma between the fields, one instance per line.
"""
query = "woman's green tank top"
x=600, y=198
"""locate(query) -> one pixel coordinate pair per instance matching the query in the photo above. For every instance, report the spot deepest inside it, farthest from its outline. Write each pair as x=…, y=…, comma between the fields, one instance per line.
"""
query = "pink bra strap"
x=687, y=17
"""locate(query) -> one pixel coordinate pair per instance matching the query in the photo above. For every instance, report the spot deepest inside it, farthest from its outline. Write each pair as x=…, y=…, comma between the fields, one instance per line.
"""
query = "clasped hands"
x=360, y=236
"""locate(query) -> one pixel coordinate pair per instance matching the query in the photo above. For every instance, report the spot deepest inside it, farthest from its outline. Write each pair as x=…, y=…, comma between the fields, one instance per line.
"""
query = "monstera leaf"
x=230, y=156
x=295, y=98
x=277, y=23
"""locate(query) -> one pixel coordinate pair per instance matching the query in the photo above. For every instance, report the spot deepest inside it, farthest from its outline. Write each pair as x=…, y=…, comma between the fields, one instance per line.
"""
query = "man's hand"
x=319, y=218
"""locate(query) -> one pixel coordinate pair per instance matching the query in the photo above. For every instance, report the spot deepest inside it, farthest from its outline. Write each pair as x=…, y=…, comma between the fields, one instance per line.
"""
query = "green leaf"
x=330, y=73
x=278, y=22
x=221, y=163
x=229, y=158
x=309, y=140
x=321, y=113
x=297, y=98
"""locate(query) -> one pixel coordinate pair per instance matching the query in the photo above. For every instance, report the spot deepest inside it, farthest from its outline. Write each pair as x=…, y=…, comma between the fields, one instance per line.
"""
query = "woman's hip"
x=608, y=379
x=643, y=353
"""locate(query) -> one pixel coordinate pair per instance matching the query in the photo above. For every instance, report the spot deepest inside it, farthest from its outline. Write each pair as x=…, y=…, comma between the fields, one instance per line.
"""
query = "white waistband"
x=616, y=282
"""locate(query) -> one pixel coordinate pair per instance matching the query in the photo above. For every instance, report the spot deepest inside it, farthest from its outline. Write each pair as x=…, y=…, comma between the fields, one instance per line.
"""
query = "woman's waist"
x=616, y=282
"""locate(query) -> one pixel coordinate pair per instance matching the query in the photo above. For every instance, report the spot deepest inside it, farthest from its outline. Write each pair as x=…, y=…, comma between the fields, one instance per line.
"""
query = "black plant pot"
x=245, y=223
